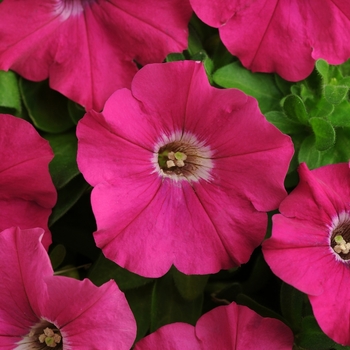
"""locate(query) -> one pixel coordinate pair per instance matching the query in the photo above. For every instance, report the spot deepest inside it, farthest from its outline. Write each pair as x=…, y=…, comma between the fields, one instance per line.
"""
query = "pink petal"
x=242, y=329
x=332, y=307
x=89, y=317
x=161, y=224
x=224, y=120
x=225, y=327
x=67, y=47
x=281, y=37
x=317, y=197
x=175, y=336
x=127, y=143
x=21, y=286
x=25, y=181
x=296, y=251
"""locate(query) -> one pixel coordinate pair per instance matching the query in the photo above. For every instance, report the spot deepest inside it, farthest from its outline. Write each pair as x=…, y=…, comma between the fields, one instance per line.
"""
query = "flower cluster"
x=181, y=174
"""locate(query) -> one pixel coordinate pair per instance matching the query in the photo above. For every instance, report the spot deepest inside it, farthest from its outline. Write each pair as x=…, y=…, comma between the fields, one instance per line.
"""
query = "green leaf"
x=172, y=57
x=259, y=85
x=341, y=115
x=194, y=42
x=168, y=306
x=323, y=68
x=63, y=168
x=295, y=109
x=76, y=112
x=263, y=311
x=324, y=133
x=314, y=158
x=279, y=119
x=57, y=255
x=283, y=85
x=292, y=303
x=311, y=337
x=335, y=93
x=10, y=99
x=322, y=109
x=104, y=269
x=139, y=300
x=67, y=196
x=47, y=108
x=189, y=286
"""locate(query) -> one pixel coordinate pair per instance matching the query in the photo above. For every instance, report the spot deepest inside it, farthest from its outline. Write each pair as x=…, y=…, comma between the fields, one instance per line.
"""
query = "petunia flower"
x=183, y=172
x=231, y=326
x=309, y=248
x=42, y=311
x=285, y=37
x=27, y=193
x=89, y=48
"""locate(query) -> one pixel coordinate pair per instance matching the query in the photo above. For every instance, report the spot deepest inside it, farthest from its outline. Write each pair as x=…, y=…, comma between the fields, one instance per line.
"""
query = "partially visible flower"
x=309, y=248
x=88, y=48
x=42, y=311
x=285, y=37
x=233, y=327
x=27, y=193
x=183, y=172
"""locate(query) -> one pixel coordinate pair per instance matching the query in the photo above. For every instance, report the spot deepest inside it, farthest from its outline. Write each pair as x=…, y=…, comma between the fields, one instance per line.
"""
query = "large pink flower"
x=183, y=172
x=233, y=327
x=281, y=36
x=88, y=47
x=310, y=245
x=38, y=308
x=27, y=193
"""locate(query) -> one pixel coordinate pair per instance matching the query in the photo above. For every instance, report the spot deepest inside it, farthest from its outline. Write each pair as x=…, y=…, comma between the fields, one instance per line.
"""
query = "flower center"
x=183, y=157
x=43, y=336
x=68, y=8
x=340, y=235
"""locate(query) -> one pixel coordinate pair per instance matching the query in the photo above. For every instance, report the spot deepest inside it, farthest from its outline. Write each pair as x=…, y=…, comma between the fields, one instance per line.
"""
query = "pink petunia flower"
x=285, y=37
x=42, y=311
x=88, y=47
x=310, y=245
x=225, y=327
x=183, y=172
x=27, y=193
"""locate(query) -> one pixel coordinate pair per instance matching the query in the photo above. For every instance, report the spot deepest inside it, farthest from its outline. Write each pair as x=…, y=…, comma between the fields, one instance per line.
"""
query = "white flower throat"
x=182, y=157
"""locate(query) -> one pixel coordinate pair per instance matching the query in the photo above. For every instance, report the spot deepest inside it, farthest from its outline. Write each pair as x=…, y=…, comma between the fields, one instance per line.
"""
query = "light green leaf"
x=324, y=133
x=295, y=109
x=259, y=85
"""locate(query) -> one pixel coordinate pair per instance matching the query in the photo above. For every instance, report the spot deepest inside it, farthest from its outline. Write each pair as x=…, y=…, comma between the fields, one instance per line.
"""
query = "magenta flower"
x=310, y=245
x=285, y=37
x=183, y=172
x=39, y=309
x=88, y=48
x=225, y=327
x=27, y=193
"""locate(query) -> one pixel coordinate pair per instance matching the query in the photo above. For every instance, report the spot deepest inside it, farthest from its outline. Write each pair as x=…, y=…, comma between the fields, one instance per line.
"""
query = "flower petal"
x=27, y=191
x=89, y=316
x=77, y=48
x=21, y=286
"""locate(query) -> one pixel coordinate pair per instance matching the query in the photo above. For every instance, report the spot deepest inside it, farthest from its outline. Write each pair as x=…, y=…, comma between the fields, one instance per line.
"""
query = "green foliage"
x=311, y=337
x=47, y=108
x=168, y=306
x=10, y=98
x=259, y=85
